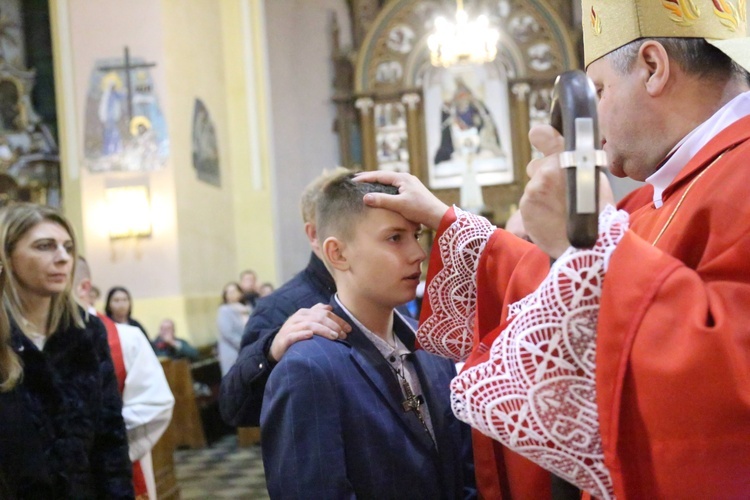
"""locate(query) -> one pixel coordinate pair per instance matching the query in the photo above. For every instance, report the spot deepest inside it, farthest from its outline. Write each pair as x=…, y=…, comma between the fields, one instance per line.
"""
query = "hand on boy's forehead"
x=388, y=220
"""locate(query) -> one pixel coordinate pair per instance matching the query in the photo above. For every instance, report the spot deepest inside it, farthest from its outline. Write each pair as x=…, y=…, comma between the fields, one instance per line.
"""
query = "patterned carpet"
x=222, y=470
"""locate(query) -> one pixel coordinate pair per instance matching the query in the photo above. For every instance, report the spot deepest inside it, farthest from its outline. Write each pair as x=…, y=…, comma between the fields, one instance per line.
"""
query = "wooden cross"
x=127, y=67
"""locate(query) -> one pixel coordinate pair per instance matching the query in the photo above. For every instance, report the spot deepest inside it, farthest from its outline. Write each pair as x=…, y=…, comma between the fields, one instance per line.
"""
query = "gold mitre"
x=610, y=24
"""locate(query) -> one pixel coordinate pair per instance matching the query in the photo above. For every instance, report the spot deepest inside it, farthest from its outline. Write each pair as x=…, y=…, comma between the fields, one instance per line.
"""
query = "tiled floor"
x=221, y=471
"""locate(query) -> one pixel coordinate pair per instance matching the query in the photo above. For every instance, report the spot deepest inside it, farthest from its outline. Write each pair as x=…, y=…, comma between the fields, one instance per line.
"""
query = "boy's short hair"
x=340, y=205
x=312, y=190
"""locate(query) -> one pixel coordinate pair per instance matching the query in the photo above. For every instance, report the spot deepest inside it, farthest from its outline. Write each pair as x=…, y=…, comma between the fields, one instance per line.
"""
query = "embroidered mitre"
x=610, y=24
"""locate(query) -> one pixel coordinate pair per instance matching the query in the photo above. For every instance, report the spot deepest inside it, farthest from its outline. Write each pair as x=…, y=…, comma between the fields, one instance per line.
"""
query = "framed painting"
x=467, y=126
x=391, y=135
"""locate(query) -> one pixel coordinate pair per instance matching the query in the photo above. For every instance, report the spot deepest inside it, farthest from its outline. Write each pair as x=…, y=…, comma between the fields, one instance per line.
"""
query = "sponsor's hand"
x=302, y=325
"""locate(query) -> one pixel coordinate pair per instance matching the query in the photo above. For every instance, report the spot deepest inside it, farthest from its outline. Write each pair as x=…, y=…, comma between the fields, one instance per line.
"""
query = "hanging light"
x=465, y=42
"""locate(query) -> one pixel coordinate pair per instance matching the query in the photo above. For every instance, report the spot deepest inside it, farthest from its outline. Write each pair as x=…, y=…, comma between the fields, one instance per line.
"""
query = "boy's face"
x=384, y=257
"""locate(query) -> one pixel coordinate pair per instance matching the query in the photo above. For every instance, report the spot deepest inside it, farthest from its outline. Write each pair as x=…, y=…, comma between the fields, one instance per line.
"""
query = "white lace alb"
x=449, y=330
x=536, y=393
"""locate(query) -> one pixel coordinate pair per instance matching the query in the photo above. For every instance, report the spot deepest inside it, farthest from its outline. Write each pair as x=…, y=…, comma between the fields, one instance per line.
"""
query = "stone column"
x=367, y=120
x=521, y=124
x=412, y=102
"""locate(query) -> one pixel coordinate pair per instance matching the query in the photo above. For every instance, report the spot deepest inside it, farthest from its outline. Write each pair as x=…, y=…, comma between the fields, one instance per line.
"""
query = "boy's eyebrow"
x=391, y=229
x=400, y=229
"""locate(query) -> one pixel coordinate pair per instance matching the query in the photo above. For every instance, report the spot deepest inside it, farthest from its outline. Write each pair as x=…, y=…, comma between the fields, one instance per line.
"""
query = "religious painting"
x=540, y=57
x=12, y=43
x=125, y=129
x=391, y=136
x=389, y=72
x=467, y=123
x=9, y=107
x=205, y=146
x=524, y=27
x=401, y=39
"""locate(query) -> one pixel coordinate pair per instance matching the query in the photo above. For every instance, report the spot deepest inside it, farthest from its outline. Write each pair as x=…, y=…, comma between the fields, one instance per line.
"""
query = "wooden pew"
x=162, y=456
x=186, y=419
x=248, y=436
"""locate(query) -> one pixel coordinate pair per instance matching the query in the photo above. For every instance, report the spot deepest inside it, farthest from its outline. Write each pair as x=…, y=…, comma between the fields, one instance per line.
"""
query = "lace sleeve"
x=536, y=393
x=452, y=293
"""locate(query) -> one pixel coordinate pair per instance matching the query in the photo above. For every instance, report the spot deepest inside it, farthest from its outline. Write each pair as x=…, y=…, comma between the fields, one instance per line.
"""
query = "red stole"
x=115, y=348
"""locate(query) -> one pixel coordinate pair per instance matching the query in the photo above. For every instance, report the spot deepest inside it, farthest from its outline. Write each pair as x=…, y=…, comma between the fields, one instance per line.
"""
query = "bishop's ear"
x=655, y=62
x=333, y=251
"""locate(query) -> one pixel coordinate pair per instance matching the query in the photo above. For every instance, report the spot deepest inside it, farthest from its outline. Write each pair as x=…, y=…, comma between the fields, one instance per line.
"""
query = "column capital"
x=364, y=104
x=521, y=90
x=411, y=100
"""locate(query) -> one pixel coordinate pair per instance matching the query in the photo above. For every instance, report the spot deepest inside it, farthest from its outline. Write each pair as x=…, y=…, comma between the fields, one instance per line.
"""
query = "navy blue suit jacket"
x=242, y=387
x=333, y=425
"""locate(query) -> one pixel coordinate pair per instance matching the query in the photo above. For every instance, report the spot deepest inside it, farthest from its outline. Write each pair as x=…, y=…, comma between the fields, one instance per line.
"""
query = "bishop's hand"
x=414, y=201
x=543, y=206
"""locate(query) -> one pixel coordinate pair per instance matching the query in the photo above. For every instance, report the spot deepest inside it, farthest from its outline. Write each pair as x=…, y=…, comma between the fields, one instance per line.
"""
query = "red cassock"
x=672, y=341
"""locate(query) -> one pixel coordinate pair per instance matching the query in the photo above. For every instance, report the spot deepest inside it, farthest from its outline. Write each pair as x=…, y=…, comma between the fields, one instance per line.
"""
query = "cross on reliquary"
x=127, y=66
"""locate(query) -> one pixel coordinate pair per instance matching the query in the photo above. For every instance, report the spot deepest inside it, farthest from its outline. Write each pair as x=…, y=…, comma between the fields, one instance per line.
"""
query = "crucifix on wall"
x=127, y=67
x=125, y=128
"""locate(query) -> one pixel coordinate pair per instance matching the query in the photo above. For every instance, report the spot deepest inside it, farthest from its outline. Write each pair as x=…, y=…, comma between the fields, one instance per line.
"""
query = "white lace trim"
x=449, y=330
x=536, y=393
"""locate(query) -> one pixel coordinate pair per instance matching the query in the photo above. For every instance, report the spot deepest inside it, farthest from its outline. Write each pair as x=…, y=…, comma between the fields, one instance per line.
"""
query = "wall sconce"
x=129, y=212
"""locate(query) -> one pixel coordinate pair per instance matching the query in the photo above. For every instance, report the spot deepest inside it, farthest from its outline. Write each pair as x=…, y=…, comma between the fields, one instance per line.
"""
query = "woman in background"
x=62, y=433
x=231, y=319
x=119, y=307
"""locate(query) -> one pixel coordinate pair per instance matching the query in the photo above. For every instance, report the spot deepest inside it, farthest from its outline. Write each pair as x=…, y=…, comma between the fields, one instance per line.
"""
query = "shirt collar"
x=689, y=146
x=386, y=349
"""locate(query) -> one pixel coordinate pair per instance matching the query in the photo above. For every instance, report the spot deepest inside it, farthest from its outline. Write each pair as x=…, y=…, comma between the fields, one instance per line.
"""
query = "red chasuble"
x=673, y=348
x=672, y=342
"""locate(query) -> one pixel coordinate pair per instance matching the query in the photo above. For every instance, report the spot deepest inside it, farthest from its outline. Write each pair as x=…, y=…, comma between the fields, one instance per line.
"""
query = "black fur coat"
x=70, y=399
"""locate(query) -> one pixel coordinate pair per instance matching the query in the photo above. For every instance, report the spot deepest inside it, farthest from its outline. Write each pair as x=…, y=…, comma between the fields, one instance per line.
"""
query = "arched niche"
x=405, y=104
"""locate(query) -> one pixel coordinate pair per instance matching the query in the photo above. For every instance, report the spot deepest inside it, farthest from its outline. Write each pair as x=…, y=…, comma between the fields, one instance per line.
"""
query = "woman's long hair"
x=112, y=291
x=15, y=221
x=10, y=366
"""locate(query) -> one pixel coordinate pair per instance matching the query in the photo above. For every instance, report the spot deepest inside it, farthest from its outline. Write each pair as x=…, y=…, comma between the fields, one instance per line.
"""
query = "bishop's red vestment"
x=666, y=295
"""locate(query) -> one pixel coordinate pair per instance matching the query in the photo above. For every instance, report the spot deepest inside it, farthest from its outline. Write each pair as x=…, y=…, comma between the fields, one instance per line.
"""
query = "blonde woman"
x=55, y=369
x=15, y=458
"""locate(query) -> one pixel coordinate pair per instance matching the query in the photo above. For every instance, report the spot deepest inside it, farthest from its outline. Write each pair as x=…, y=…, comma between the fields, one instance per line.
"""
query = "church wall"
x=205, y=225
x=148, y=267
x=304, y=143
x=247, y=87
x=201, y=232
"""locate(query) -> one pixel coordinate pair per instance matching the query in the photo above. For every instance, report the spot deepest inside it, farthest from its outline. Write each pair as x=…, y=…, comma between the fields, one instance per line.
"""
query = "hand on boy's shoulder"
x=302, y=325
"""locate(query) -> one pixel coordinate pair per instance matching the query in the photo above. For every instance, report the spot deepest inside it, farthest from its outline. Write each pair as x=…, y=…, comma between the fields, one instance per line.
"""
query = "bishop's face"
x=628, y=120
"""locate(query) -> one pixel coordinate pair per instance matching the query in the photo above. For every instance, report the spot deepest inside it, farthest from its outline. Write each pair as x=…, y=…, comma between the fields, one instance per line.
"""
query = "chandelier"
x=465, y=42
